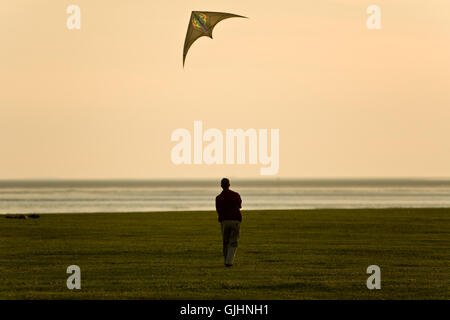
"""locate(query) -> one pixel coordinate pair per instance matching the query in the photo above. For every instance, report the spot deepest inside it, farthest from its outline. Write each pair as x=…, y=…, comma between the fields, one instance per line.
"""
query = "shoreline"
x=243, y=211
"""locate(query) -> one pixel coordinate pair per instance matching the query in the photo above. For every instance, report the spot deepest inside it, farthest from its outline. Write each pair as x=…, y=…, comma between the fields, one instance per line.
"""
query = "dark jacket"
x=228, y=205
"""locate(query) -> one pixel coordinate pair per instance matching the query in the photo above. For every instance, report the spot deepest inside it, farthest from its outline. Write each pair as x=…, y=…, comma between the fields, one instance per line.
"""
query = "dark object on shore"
x=22, y=216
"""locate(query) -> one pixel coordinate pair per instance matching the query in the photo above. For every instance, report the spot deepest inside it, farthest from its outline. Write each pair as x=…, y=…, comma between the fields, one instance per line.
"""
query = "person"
x=228, y=205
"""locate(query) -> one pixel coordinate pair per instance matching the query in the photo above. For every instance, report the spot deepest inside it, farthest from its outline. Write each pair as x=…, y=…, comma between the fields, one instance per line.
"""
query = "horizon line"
x=234, y=178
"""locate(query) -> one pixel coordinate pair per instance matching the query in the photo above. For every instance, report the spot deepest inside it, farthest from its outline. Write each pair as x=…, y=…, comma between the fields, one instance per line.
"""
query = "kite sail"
x=202, y=24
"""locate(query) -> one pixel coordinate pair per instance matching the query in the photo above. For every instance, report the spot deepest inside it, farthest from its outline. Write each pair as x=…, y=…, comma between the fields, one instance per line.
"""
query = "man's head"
x=225, y=184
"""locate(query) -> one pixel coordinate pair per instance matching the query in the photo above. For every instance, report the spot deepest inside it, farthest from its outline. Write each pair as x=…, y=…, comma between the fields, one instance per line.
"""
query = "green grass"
x=298, y=254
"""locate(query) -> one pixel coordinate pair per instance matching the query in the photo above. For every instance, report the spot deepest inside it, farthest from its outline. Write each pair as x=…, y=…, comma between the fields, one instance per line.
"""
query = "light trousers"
x=230, y=236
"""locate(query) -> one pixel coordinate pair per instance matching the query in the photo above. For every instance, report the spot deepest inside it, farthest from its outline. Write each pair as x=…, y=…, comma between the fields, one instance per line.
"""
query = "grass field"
x=298, y=254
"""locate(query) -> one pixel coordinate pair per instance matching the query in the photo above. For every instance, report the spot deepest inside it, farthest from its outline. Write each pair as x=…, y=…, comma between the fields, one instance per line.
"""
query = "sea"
x=90, y=196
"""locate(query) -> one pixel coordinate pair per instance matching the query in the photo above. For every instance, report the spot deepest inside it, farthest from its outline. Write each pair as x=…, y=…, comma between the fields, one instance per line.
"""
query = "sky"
x=103, y=101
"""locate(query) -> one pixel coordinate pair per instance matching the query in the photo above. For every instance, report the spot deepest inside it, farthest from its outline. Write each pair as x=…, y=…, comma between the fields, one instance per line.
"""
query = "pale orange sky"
x=103, y=101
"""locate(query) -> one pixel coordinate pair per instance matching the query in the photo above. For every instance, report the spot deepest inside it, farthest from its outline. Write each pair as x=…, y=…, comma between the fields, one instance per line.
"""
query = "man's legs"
x=225, y=238
x=230, y=232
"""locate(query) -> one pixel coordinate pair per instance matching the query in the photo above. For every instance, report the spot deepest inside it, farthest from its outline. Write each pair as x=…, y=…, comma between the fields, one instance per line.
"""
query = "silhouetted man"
x=228, y=205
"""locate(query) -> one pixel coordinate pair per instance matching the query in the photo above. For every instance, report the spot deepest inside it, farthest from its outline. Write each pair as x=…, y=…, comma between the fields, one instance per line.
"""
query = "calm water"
x=120, y=196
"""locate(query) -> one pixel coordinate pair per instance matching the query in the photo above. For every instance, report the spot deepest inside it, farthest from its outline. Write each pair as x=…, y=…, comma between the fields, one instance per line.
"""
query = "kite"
x=202, y=24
